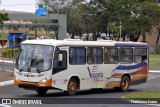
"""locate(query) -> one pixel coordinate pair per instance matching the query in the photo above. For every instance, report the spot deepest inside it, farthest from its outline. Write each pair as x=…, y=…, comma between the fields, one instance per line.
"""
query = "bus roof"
x=71, y=42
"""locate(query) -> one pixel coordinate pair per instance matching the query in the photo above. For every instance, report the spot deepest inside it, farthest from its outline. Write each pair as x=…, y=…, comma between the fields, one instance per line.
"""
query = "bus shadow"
x=81, y=93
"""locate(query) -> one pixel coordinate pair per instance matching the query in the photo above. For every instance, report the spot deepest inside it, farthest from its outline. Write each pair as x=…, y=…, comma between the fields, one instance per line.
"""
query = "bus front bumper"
x=33, y=85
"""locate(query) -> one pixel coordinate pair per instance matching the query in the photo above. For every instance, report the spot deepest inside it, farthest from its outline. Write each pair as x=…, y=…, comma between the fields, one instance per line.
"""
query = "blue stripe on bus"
x=130, y=45
x=140, y=65
x=89, y=71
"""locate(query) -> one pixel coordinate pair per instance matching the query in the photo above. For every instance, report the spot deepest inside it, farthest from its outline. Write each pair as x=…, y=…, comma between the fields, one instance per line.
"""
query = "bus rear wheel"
x=72, y=87
x=41, y=91
x=124, y=85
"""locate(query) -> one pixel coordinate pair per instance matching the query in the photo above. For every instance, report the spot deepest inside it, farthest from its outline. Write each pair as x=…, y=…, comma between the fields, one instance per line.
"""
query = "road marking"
x=10, y=82
x=8, y=70
x=154, y=71
x=6, y=61
x=154, y=104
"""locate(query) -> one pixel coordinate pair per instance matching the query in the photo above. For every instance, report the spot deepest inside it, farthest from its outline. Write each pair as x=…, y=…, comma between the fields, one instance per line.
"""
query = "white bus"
x=72, y=65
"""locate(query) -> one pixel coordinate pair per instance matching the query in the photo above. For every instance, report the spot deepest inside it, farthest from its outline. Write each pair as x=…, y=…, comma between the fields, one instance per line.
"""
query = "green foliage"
x=3, y=17
x=7, y=53
x=137, y=16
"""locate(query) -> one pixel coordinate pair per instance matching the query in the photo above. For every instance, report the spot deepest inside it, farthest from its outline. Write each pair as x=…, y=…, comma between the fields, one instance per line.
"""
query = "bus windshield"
x=34, y=58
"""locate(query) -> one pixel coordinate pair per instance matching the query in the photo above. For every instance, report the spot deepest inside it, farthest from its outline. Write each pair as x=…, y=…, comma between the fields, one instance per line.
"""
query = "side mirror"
x=60, y=57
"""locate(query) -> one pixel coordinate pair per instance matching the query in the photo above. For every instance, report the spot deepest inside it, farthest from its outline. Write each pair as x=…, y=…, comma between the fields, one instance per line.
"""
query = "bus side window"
x=77, y=55
x=144, y=58
x=140, y=54
x=110, y=55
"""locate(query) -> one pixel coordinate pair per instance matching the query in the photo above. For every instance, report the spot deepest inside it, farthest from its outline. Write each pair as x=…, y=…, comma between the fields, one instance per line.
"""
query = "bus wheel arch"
x=73, y=85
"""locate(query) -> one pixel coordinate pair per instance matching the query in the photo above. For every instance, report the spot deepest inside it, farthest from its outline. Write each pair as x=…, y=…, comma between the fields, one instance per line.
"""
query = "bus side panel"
x=137, y=73
x=139, y=76
x=86, y=82
x=60, y=80
x=106, y=70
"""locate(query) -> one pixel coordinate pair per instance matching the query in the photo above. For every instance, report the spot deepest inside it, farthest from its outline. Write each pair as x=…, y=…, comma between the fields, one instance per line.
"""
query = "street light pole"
x=120, y=30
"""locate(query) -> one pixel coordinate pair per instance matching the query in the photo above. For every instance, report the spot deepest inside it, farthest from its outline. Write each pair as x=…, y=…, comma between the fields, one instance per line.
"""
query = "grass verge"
x=3, y=36
x=154, y=61
x=144, y=94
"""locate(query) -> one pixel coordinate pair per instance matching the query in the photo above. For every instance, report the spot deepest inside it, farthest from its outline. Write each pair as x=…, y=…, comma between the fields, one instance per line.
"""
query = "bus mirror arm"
x=16, y=46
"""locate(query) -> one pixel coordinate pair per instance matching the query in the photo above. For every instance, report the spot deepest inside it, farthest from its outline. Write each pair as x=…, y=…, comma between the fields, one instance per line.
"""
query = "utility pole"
x=120, y=30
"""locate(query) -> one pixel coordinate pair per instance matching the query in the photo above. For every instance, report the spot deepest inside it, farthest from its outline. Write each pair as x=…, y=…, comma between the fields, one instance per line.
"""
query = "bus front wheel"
x=72, y=87
x=41, y=91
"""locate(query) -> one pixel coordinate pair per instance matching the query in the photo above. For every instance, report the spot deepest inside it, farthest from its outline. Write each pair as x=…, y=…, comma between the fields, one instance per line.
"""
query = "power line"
x=18, y=4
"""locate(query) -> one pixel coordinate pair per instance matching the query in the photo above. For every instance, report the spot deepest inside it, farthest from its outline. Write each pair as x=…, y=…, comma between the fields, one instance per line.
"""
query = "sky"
x=18, y=5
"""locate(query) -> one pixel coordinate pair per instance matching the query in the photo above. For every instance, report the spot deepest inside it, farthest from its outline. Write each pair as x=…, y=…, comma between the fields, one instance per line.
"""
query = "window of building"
x=15, y=28
x=140, y=54
x=31, y=28
x=110, y=55
x=77, y=55
x=94, y=55
x=126, y=55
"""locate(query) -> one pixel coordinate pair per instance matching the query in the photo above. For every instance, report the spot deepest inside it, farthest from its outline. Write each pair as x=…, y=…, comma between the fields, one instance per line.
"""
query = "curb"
x=5, y=83
x=6, y=61
x=154, y=71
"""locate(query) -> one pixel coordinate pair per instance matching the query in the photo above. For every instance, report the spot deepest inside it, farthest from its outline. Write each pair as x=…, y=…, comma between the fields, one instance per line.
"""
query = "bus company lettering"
x=93, y=74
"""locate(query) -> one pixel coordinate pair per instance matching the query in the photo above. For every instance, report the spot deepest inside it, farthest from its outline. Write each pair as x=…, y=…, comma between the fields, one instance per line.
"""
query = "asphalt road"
x=6, y=66
x=92, y=97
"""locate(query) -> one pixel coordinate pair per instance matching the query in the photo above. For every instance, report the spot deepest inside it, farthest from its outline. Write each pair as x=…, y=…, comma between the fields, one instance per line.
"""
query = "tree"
x=137, y=17
x=3, y=17
x=134, y=17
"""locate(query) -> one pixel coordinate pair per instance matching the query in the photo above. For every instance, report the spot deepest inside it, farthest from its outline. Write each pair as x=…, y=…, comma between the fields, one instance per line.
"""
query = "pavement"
x=6, y=77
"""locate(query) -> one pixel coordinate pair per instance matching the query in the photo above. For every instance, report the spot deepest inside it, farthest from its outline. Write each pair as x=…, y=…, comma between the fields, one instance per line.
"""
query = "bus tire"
x=124, y=85
x=72, y=87
x=41, y=91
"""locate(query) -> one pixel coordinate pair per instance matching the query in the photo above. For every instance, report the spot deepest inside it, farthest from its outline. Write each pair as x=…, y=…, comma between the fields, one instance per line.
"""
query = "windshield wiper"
x=38, y=71
x=24, y=68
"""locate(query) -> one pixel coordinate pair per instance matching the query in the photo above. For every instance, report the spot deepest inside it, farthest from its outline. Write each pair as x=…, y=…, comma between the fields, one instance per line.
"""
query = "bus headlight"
x=44, y=80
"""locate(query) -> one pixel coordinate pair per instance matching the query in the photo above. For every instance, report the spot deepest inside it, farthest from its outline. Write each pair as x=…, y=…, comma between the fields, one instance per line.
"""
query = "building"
x=21, y=25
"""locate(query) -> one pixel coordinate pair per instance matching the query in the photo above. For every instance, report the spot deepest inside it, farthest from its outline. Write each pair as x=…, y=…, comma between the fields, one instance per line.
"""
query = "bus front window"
x=37, y=57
